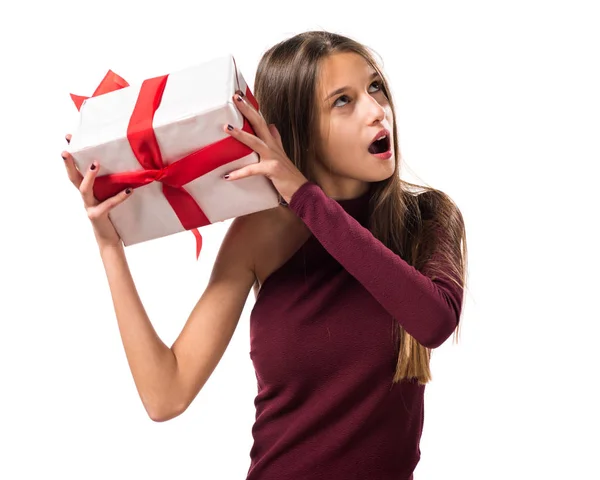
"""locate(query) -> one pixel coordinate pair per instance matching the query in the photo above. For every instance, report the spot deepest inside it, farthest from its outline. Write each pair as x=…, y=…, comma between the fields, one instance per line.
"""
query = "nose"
x=375, y=111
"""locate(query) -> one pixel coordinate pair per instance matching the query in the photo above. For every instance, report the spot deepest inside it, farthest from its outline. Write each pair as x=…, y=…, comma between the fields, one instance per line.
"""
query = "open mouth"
x=380, y=146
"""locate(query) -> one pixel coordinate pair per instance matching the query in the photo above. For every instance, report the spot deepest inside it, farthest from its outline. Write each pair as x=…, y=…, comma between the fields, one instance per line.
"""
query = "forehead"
x=340, y=70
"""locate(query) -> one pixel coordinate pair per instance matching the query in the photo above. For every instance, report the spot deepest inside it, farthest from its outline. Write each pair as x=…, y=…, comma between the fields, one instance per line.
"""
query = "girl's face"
x=349, y=121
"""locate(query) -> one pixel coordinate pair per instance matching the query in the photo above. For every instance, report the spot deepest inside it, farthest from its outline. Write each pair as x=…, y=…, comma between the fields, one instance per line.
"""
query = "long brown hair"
x=404, y=216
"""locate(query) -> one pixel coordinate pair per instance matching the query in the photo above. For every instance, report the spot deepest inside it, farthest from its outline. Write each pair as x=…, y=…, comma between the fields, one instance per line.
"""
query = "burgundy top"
x=323, y=349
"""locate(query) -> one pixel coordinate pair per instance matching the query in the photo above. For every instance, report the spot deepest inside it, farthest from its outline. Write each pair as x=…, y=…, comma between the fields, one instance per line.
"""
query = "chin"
x=374, y=177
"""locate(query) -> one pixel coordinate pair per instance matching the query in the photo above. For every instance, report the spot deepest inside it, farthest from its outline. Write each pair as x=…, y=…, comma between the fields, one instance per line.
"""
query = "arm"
x=427, y=309
x=168, y=379
x=151, y=362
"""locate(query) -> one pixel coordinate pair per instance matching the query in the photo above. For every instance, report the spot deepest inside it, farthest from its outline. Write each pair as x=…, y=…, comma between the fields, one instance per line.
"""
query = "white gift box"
x=196, y=104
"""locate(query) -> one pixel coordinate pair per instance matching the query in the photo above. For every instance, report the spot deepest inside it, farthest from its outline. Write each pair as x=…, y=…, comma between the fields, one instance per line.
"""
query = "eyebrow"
x=342, y=89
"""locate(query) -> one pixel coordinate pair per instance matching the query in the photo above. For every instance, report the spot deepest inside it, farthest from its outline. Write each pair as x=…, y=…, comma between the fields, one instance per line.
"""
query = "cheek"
x=340, y=150
x=342, y=146
x=342, y=139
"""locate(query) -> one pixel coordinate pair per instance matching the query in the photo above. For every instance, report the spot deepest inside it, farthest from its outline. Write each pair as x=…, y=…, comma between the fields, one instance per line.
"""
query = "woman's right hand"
x=97, y=212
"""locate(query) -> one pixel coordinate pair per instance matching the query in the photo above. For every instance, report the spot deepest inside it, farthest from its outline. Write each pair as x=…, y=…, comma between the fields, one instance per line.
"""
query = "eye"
x=335, y=104
x=377, y=83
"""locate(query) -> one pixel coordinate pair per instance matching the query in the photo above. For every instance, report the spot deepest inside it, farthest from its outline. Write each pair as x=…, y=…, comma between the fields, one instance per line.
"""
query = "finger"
x=68, y=137
x=275, y=134
x=72, y=171
x=266, y=168
x=247, y=171
x=256, y=120
x=87, y=185
x=107, y=205
x=252, y=141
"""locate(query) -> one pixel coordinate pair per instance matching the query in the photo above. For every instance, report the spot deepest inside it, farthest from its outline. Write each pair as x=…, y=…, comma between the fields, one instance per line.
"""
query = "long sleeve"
x=427, y=309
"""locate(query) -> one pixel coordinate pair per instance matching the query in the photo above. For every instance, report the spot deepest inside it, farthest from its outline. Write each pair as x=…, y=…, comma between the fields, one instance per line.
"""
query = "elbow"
x=449, y=316
x=438, y=340
x=442, y=333
x=164, y=413
x=159, y=416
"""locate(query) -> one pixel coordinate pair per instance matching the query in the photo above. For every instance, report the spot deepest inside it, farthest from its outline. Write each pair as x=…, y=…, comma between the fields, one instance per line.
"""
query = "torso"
x=279, y=234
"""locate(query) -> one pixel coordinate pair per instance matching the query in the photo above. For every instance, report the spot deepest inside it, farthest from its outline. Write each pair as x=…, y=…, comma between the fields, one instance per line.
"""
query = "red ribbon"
x=109, y=83
x=173, y=177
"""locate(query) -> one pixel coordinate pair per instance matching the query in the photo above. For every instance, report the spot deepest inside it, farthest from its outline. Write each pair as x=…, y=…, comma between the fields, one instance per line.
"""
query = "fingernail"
x=67, y=139
x=64, y=157
x=226, y=176
x=92, y=167
x=229, y=127
x=128, y=191
x=238, y=98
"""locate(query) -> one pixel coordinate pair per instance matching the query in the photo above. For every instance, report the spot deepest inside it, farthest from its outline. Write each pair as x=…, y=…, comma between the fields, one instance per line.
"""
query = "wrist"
x=107, y=249
x=303, y=184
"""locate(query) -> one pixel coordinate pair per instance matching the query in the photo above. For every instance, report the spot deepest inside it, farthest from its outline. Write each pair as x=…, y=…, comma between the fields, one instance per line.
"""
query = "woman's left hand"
x=273, y=163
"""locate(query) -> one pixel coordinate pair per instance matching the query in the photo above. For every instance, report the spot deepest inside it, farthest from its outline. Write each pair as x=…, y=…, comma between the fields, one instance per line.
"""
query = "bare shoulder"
x=254, y=234
x=269, y=238
x=277, y=234
x=265, y=224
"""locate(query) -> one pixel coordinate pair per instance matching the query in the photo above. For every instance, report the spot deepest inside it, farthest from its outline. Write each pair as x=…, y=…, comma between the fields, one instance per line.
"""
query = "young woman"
x=358, y=276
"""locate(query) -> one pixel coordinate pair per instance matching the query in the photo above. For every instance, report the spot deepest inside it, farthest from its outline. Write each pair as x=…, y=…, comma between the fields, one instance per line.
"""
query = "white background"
x=498, y=106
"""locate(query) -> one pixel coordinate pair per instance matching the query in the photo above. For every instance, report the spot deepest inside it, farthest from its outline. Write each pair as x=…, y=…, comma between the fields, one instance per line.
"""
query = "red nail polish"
x=226, y=176
x=92, y=167
x=238, y=98
x=128, y=191
x=229, y=127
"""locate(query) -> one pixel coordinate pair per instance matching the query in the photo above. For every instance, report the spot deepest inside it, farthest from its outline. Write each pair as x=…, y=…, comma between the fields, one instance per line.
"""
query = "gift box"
x=164, y=137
